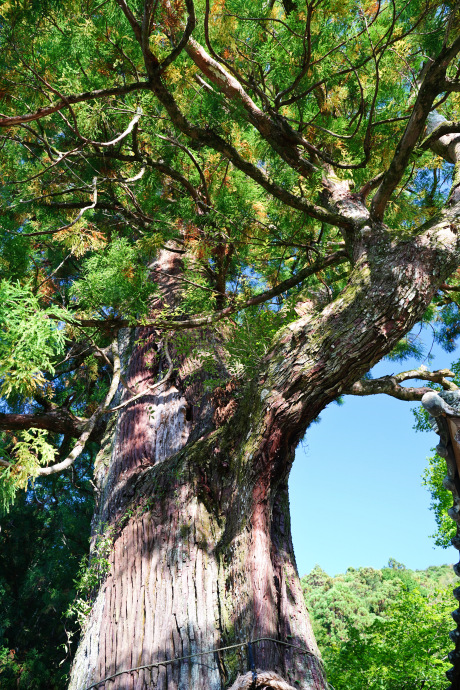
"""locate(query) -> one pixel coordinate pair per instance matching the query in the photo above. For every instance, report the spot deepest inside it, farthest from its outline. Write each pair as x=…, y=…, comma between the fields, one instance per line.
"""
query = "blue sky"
x=356, y=491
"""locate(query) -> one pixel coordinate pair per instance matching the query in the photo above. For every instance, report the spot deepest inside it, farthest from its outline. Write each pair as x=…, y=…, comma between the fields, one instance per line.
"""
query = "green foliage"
x=31, y=450
x=92, y=573
x=408, y=347
x=421, y=419
x=449, y=324
x=382, y=629
x=358, y=595
x=30, y=339
x=252, y=338
x=405, y=651
x=42, y=540
x=114, y=282
x=441, y=501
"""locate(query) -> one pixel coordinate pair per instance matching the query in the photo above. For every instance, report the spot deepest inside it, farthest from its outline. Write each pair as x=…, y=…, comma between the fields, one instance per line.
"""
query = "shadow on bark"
x=178, y=586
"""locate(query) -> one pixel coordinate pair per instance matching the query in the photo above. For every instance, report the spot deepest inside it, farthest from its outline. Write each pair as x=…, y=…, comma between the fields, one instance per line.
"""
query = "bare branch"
x=452, y=288
x=91, y=423
x=121, y=136
x=69, y=225
x=53, y=273
x=391, y=385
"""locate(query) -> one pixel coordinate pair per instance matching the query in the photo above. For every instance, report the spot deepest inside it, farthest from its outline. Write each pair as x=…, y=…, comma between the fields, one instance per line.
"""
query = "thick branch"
x=58, y=421
x=446, y=127
x=319, y=357
x=433, y=84
x=442, y=137
x=278, y=133
x=209, y=138
x=391, y=385
x=197, y=321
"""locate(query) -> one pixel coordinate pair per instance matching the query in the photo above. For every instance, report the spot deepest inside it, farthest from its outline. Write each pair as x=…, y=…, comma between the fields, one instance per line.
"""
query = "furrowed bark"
x=317, y=359
x=194, y=485
x=194, y=566
x=202, y=555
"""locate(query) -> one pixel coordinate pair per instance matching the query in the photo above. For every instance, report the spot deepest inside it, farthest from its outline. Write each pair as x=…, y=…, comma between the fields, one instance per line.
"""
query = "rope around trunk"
x=269, y=676
x=266, y=680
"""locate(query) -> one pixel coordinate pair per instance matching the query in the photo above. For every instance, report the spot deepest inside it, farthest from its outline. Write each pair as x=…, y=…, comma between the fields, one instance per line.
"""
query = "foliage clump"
x=42, y=540
x=114, y=283
x=31, y=449
x=92, y=572
x=31, y=338
x=382, y=629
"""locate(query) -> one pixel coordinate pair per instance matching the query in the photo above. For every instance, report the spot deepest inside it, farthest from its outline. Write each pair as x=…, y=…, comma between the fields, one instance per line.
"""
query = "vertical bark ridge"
x=155, y=426
x=180, y=582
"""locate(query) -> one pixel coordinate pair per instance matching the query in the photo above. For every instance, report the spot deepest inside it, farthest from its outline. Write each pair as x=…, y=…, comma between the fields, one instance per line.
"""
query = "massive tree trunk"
x=194, y=485
x=202, y=554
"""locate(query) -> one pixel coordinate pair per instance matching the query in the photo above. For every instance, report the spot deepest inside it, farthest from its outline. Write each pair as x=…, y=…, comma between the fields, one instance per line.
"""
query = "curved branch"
x=445, y=127
x=13, y=120
x=91, y=423
x=194, y=161
x=209, y=138
x=443, y=137
x=121, y=136
x=177, y=50
x=69, y=225
x=433, y=84
x=197, y=321
x=391, y=385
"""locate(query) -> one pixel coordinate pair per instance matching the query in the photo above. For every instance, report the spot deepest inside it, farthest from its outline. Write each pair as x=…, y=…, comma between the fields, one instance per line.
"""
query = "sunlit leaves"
x=81, y=238
x=114, y=282
x=30, y=340
x=441, y=501
x=30, y=450
x=408, y=649
x=382, y=629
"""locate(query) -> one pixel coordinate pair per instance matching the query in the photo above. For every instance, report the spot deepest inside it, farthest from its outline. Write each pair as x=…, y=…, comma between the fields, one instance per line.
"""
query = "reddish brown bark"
x=202, y=557
x=195, y=488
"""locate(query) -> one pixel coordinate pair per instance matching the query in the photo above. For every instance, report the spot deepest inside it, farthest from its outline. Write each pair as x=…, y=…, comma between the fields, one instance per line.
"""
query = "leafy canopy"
x=385, y=629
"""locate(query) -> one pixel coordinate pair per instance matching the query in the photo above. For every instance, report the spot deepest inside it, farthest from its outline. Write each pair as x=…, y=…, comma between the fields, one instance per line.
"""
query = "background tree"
x=215, y=222
x=43, y=539
x=383, y=628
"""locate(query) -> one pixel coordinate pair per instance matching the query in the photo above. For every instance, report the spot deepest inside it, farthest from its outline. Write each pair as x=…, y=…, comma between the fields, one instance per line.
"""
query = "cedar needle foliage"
x=215, y=131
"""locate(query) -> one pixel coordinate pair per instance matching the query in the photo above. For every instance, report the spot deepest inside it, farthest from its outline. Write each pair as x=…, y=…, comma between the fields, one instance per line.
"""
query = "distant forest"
x=383, y=629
